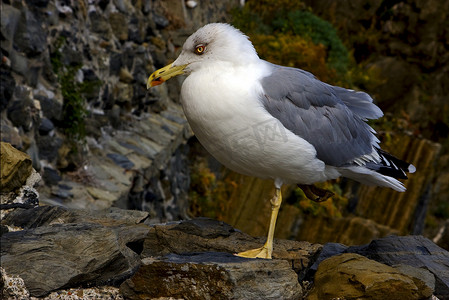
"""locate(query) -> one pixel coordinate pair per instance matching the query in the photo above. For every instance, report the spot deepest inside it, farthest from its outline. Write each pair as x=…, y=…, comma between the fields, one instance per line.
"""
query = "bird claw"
x=312, y=192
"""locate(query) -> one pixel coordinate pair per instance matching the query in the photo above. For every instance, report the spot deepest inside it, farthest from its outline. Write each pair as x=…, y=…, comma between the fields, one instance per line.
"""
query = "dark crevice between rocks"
x=136, y=246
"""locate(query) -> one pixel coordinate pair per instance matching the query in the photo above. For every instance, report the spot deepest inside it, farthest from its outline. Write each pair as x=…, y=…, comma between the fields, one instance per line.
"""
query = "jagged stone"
x=15, y=167
x=30, y=37
x=352, y=276
x=74, y=254
x=415, y=251
x=212, y=275
x=10, y=17
x=46, y=126
x=48, y=215
x=205, y=235
x=423, y=279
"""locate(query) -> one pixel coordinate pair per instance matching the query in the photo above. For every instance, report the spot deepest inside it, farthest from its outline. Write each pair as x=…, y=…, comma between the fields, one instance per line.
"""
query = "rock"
x=121, y=160
x=103, y=292
x=30, y=37
x=329, y=250
x=352, y=276
x=10, y=134
x=46, y=126
x=12, y=287
x=204, y=235
x=51, y=107
x=212, y=275
x=423, y=279
x=415, y=251
x=126, y=76
x=10, y=17
x=101, y=251
x=20, y=112
x=48, y=215
x=51, y=176
x=48, y=147
x=15, y=167
x=119, y=25
x=7, y=85
x=160, y=21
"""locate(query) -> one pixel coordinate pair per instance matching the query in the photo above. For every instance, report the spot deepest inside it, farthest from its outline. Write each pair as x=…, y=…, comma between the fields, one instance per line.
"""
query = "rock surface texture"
x=52, y=252
x=356, y=277
x=213, y=275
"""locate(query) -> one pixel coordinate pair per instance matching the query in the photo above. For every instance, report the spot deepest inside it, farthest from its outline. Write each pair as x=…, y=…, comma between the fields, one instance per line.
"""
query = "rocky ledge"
x=51, y=252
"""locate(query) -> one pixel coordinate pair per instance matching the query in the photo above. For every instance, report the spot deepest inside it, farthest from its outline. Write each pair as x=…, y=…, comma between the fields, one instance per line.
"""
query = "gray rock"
x=99, y=24
x=10, y=134
x=46, y=126
x=47, y=215
x=51, y=108
x=7, y=85
x=86, y=249
x=121, y=160
x=20, y=113
x=329, y=250
x=48, y=147
x=19, y=62
x=422, y=278
x=160, y=21
x=51, y=176
x=212, y=275
x=10, y=17
x=30, y=38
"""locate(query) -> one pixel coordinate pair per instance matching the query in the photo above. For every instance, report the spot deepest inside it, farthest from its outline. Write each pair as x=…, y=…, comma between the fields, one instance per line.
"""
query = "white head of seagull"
x=216, y=42
x=313, y=131
x=212, y=43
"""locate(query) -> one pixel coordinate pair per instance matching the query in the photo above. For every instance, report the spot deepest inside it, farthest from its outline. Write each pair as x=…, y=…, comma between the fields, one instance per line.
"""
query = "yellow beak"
x=160, y=76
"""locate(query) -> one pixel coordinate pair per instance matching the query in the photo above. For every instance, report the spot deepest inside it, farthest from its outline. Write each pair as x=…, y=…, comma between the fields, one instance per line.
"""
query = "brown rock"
x=15, y=167
x=212, y=275
x=352, y=276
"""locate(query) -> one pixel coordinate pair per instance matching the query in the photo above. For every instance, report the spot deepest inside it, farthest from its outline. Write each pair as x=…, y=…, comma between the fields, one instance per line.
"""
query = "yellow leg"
x=267, y=249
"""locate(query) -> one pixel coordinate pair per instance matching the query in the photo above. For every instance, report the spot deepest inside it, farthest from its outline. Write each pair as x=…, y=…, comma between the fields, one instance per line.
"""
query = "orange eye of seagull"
x=200, y=49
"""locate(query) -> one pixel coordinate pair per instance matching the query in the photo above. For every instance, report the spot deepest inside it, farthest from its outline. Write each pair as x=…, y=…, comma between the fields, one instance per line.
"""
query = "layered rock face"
x=73, y=96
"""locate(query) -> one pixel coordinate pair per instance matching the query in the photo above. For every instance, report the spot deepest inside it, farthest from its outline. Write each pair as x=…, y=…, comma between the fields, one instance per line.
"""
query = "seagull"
x=276, y=122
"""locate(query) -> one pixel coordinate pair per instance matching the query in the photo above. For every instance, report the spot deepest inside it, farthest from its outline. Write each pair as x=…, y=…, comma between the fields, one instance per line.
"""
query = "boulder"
x=61, y=248
x=15, y=168
x=352, y=276
x=416, y=251
x=212, y=275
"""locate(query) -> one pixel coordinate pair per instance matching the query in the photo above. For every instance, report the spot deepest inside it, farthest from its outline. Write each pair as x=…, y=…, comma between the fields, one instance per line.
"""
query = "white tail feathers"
x=370, y=177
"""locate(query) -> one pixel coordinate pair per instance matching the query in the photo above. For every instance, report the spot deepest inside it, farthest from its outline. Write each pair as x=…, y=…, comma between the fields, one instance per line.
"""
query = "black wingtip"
x=391, y=166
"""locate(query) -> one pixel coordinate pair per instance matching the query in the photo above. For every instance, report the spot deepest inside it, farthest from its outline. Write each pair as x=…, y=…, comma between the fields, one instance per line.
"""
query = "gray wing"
x=328, y=117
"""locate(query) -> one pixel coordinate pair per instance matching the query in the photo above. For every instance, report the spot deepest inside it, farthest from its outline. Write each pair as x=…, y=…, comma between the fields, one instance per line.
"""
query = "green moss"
x=290, y=22
x=306, y=24
x=74, y=111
